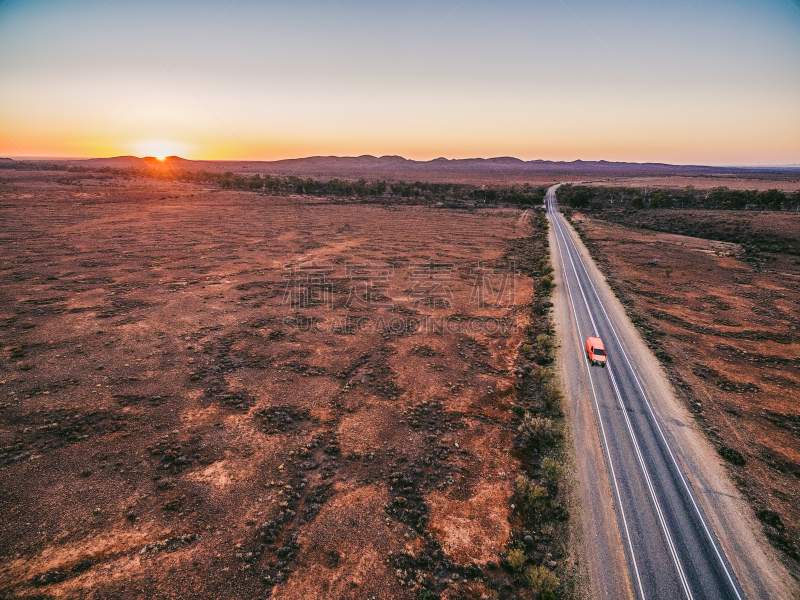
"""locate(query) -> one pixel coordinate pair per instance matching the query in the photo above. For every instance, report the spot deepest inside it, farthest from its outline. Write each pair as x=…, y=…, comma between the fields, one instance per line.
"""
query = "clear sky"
x=701, y=82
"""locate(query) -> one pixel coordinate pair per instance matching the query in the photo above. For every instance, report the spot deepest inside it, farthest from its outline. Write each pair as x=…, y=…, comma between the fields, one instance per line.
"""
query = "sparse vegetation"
x=288, y=445
x=541, y=537
x=732, y=456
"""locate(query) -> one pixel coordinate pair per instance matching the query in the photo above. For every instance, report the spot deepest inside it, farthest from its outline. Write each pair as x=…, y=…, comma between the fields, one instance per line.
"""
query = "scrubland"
x=230, y=394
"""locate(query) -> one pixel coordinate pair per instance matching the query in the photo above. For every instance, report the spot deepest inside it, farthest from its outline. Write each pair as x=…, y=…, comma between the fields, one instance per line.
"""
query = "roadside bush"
x=551, y=395
x=771, y=518
x=538, y=431
x=542, y=375
x=533, y=499
x=541, y=581
x=545, y=342
x=547, y=283
x=516, y=558
x=551, y=469
x=662, y=355
x=732, y=456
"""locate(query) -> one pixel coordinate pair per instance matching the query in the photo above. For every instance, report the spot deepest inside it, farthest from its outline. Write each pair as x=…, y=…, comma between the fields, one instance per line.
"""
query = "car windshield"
x=600, y=352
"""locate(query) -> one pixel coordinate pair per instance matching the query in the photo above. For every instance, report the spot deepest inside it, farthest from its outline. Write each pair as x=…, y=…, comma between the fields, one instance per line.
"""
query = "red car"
x=596, y=351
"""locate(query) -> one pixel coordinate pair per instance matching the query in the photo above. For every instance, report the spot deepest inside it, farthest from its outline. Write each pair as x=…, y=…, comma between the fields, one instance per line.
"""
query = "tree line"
x=448, y=193
x=722, y=198
x=362, y=188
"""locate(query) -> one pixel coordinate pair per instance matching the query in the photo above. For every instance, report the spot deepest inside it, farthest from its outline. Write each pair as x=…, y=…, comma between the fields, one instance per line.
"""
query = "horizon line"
x=440, y=158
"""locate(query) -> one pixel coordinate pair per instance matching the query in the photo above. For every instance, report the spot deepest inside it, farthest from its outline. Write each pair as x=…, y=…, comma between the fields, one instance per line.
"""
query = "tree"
x=255, y=182
x=378, y=188
x=686, y=197
x=661, y=199
x=793, y=202
x=722, y=197
x=771, y=199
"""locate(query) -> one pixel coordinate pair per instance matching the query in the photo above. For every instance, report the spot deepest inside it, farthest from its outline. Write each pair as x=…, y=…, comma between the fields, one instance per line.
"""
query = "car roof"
x=596, y=341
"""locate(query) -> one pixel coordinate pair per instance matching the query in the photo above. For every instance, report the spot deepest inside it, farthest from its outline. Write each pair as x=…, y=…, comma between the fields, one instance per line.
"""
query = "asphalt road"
x=669, y=546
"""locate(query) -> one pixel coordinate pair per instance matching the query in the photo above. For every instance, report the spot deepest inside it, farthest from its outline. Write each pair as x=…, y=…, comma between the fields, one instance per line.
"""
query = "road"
x=670, y=548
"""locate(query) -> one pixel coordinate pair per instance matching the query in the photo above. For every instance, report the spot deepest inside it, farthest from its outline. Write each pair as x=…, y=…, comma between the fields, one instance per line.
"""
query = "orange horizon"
x=487, y=157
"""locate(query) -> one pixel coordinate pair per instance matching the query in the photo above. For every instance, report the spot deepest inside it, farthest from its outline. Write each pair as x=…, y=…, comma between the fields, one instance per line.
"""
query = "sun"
x=159, y=149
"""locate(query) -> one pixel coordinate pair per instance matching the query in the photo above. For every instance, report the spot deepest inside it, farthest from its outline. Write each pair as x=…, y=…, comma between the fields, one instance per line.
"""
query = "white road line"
x=605, y=439
x=651, y=488
x=637, y=449
x=663, y=437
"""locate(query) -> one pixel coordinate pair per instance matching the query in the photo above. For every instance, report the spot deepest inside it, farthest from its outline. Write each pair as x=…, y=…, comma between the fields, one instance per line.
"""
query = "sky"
x=712, y=82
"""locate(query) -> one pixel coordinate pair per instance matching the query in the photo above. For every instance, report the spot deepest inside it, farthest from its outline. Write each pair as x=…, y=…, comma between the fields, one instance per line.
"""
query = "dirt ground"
x=221, y=394
x=726, y=325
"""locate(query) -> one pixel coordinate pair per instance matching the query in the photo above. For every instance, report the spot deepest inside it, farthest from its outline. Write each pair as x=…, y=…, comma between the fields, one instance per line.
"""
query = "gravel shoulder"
x=753, y=559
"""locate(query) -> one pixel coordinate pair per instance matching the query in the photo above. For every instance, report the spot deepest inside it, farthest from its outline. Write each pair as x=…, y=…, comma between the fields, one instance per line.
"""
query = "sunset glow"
x=157, y=149
x=711, y=83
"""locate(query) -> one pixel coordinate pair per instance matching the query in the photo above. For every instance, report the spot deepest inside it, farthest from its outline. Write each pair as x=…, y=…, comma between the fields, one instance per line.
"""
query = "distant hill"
x=390, y=166
x=503, y=164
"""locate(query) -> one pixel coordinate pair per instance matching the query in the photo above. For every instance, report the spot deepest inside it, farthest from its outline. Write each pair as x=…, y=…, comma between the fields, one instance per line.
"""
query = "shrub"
x=547, y=282
x=551, y=395
x=541, y=580
x=662, y=355
x=545, y=342
x=538, y=431
x=516, y=558
x=731, y=455
x=770, y=517
x=542, y=375
x=533, y=499
x=551, y=470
